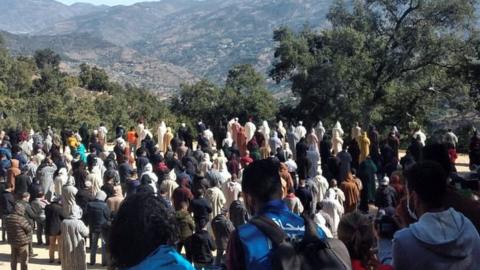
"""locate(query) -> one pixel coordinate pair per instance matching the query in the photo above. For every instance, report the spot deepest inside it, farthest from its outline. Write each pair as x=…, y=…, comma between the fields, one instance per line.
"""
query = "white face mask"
x=410, y=212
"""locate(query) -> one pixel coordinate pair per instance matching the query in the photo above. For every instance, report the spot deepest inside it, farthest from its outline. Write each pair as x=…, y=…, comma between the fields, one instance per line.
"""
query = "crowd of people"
x=193, y=199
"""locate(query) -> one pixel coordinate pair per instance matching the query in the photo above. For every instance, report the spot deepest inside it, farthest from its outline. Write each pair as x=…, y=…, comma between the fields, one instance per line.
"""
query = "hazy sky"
x=104, y=2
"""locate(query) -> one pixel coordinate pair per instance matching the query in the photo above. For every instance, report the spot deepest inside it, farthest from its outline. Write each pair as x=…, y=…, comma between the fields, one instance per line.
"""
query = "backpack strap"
x=270, y=229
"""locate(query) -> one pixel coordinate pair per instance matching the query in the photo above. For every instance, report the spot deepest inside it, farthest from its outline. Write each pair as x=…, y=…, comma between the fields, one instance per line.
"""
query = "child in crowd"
x=202, y=246
x=186, y=227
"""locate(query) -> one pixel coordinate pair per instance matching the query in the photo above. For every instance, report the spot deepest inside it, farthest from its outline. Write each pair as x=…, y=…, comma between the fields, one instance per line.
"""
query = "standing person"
x=345, y=164
x=200, y=208
x=337, y=141
x=161, y=130
x=222, y=228
x=231, y=189
x=293, y=202
x=292, y=139
x=474, y=151
x=97, y=215
x=53, y=220
x=119, y=132
x=352, y=193
x=305, y=196
x=238, y=212
x=132, y=139
x=415, y=148
x=355, y=132
x=38, y=207
x=13, y=172
x=167, y=139
x=441, y=238
x=45, y=173
x=374, y=137
x=366, y=173
x=357, y=233
x=23, y=182
x=202, y=246
x=334, y=209
x=364, y=145
x=114, y=202
x=186, y=226
x=182, y=194
x=102, y=135
x=451, y=138
x=394, y=142
x=73, y=233
x=7, y=205
x=83, y=132
x=214, y=194
x=248, y=247
x=420, y=135
x=385, y=196
x=29, y=215
x=151, y=244
x=19, y=232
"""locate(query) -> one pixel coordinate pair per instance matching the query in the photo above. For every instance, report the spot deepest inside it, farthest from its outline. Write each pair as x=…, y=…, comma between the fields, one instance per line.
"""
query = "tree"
x=99, y=81
x=198, y=101
x=95, y=79
x=383, y=62
x=47, y=59
x=243, y=95
x=248, y=94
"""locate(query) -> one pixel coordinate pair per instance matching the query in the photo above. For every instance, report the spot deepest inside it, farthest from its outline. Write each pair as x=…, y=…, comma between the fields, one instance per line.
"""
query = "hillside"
x=29, y=16
x=195, y=38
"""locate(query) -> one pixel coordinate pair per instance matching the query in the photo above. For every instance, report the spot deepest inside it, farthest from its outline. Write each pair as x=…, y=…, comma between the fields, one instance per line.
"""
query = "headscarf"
x=70, y=208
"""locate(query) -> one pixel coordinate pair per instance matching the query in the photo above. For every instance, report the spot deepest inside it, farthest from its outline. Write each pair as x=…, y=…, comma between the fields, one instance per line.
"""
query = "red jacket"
x=357, y=265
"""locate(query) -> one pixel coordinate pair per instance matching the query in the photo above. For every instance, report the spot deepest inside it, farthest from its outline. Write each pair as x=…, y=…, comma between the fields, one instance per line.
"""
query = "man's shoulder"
x=403, y=235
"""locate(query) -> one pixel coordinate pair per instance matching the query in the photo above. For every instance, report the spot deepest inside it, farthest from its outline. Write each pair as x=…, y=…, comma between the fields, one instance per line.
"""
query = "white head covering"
x=70, y=207
x=338, y=125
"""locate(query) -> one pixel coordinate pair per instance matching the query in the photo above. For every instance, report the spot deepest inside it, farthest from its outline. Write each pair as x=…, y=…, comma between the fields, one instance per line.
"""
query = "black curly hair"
x=143, y=223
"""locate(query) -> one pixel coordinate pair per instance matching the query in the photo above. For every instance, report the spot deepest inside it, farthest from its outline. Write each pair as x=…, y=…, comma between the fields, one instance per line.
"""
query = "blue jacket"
x=257, y=247
x=164, y=258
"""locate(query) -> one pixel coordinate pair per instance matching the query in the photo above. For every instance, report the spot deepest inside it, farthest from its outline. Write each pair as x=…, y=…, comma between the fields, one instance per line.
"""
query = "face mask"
x=410, y=212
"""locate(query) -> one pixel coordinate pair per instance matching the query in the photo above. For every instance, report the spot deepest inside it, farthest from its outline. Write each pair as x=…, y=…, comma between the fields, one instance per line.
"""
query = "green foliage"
x=47, y=59
x=382, y=62
x=94, y=79
x=243, y=95
x=34, y=93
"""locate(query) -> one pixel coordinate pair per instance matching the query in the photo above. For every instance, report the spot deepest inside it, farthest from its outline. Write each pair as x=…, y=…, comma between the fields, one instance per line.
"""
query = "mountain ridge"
x=201, y=38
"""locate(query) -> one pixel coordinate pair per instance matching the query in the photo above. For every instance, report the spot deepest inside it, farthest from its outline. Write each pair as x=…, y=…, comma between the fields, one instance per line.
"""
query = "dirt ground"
x=40, y=262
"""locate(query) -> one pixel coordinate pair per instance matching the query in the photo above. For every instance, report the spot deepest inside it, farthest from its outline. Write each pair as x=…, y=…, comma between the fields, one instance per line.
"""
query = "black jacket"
x=200, y=209
x=125, y=171
x=238, y=213
x=306, y=197
x=7, y=203
x=53, y=218
x=141, y=163
x=202, y=246
x=29, y=214
x=22, y=183
x=385, y=197
x=222, y=228
x=97, y=214
x=83, y=197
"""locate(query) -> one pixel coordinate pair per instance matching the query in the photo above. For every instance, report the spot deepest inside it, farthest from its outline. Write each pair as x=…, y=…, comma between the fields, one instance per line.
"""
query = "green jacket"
x=185, y=223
